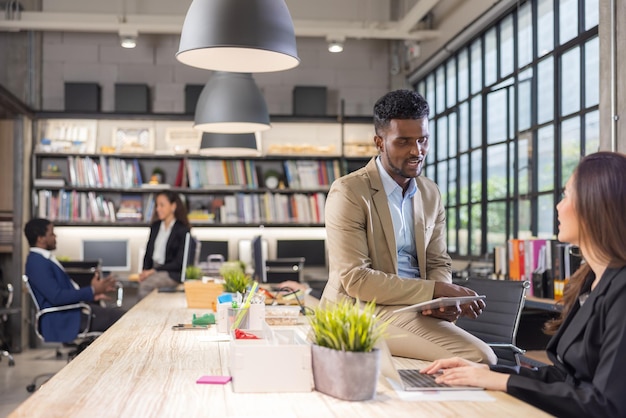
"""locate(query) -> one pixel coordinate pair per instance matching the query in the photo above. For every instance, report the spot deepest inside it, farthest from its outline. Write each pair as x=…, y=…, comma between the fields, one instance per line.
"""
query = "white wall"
x=359, y=75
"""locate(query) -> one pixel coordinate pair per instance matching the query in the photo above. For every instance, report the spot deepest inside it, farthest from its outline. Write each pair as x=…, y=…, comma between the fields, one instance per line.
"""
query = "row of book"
x=273, y=208
x=104, y=172
x=212, y=173
x=311, y=174
x=73, y=206
x=546, y=264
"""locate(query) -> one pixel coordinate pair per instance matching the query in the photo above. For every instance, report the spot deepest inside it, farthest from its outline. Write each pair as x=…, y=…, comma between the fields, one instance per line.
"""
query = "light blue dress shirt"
x=401, y=208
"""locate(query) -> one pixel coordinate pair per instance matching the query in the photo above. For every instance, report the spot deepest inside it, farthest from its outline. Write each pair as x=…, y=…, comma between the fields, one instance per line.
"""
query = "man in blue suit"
x=53, y=287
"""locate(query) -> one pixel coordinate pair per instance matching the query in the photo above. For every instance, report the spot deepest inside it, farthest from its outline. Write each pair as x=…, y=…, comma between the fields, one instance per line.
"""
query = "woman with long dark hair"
x=588, y=348
x=163, y=261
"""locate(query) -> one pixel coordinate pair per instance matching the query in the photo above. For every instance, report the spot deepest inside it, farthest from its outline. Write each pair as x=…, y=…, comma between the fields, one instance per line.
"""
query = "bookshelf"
x=84, y=175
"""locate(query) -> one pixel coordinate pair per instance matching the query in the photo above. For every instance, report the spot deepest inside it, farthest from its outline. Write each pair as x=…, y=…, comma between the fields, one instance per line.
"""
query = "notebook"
x=412, y=379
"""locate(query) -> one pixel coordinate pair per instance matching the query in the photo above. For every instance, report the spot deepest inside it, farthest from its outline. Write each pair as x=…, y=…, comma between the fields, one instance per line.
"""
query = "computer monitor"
x=114, y=253
x=258, y=260
x=245, y=251
x=213, y=247
x=313, y=251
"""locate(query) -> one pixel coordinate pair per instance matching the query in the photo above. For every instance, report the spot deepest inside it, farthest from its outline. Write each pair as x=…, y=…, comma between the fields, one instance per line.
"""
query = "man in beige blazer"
x=386, y=238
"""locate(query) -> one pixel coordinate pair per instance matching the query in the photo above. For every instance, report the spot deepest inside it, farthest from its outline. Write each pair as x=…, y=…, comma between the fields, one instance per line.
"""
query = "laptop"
x=412, y=379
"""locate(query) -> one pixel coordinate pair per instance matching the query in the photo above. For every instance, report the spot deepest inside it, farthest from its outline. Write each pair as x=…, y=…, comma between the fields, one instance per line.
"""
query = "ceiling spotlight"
x=335, y=45
x=128, y=37
x=128, y=41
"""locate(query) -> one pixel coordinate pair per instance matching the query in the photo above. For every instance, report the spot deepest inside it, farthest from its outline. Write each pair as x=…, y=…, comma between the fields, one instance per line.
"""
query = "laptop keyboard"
x=413, y=378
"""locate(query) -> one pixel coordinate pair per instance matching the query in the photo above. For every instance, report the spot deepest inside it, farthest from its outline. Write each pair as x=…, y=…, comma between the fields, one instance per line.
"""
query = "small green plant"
x=345, y=326
x=193, y=273
x=228, y=266
x=236, y=280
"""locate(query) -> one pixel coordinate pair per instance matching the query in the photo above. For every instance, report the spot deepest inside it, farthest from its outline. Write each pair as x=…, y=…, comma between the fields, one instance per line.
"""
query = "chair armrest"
x=79, y=305
x=511, y=347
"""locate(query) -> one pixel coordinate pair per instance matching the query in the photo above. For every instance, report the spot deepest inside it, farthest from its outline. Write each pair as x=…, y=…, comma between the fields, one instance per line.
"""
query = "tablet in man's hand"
x=440, y=302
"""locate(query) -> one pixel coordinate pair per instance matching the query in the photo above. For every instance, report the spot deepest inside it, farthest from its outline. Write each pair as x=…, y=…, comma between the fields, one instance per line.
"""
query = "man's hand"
x=104, y=285
x=471, y=310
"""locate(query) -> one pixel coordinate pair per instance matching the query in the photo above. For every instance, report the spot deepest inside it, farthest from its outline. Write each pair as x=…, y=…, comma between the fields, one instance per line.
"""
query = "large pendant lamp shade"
x=231, y=103
x=243, y=36
x=225, y=145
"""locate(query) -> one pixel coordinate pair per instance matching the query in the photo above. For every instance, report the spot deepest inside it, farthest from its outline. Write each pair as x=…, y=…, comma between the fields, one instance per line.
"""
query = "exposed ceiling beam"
x=171, y=25
x=417, y=13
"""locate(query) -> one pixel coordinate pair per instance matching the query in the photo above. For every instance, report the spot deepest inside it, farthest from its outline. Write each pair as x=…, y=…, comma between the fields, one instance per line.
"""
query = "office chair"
x=83, y=339
x=6, y=299
x=497, y=325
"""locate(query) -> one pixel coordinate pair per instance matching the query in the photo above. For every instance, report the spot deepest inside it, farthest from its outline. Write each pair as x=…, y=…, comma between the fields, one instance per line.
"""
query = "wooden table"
x=141, y=368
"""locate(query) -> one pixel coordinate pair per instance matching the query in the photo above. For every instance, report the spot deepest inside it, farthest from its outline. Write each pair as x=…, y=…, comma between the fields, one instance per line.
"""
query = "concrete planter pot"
x=347, y=375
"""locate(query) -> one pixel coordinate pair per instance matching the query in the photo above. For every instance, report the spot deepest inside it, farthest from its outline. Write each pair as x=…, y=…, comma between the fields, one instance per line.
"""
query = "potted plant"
x=193, y=273
x=235, y=280
x=345, y=362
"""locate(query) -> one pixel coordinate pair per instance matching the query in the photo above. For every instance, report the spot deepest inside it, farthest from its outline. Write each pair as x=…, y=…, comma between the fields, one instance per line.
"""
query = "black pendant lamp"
x=244, y=36
x=231, y=103
x=224, y=145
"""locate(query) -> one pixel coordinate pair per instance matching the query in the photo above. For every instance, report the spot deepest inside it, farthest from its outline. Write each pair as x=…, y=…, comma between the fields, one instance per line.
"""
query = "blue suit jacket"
x=53, y=287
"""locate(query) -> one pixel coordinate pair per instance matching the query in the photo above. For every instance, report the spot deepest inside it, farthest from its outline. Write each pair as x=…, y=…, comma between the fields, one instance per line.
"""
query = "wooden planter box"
x=202, y=295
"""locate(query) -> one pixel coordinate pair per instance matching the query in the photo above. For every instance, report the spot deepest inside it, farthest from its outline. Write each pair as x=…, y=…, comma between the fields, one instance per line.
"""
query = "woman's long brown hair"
x=181, y=210
x=599, y=184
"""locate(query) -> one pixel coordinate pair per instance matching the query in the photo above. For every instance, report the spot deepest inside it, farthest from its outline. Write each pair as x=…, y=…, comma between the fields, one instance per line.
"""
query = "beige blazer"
x=361, y=243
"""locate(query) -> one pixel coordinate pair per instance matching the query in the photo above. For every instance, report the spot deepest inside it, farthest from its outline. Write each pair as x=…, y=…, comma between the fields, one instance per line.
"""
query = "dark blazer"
x=589, y=355
x=53, y=287
x=174, y=250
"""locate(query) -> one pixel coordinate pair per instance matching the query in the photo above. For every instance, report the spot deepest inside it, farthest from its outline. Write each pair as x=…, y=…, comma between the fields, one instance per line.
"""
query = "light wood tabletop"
x=140, y=367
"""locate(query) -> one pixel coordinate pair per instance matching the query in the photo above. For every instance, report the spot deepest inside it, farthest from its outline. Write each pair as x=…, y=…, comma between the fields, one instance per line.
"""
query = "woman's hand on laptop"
x=457, y=371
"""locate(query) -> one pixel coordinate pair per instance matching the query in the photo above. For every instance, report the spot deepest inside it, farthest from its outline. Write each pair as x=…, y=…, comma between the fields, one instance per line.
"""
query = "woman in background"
x=163, y=261
x=588, y=349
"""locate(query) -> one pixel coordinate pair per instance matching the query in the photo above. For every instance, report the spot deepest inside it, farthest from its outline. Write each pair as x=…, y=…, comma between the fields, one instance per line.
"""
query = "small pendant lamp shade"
x=243, y=36
x=224, y=145
x=231, y=103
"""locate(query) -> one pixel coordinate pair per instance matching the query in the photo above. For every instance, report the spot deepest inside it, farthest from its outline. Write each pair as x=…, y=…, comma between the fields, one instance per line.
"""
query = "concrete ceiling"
x=431, y=23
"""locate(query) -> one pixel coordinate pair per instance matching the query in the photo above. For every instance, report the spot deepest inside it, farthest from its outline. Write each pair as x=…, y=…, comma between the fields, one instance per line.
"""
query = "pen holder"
x=252, y=318
x=238, y=318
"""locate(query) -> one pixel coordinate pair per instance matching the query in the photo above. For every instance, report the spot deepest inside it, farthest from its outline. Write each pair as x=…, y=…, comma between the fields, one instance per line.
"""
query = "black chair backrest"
x=500, y=318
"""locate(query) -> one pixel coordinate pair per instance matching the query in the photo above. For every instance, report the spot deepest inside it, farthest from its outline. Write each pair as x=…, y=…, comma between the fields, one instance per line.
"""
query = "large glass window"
x=545, y=27
x=463, y=70
x=450, y=83
x=545, y=90
x=440, y=90
x=568, y=20
x=570, y=81
x=507, y=49
x=570, y=147
x=496, y=172
x=545, y=159
x=476, y=66
x=496, y=116
x=519, y=107
x=491, y=57
x=592, y=72
x=524, y=35
x=477, y=120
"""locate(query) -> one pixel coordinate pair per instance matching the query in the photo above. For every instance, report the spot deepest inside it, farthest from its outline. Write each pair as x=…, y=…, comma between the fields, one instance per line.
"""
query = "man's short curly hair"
x=399, y=104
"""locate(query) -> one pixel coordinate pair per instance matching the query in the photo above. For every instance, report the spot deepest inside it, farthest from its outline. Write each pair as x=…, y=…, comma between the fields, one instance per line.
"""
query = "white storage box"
x=278, y=362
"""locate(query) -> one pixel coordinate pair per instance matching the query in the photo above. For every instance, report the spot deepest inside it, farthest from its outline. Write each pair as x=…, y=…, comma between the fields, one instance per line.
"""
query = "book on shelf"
x=48, y=182
x=130, y=208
